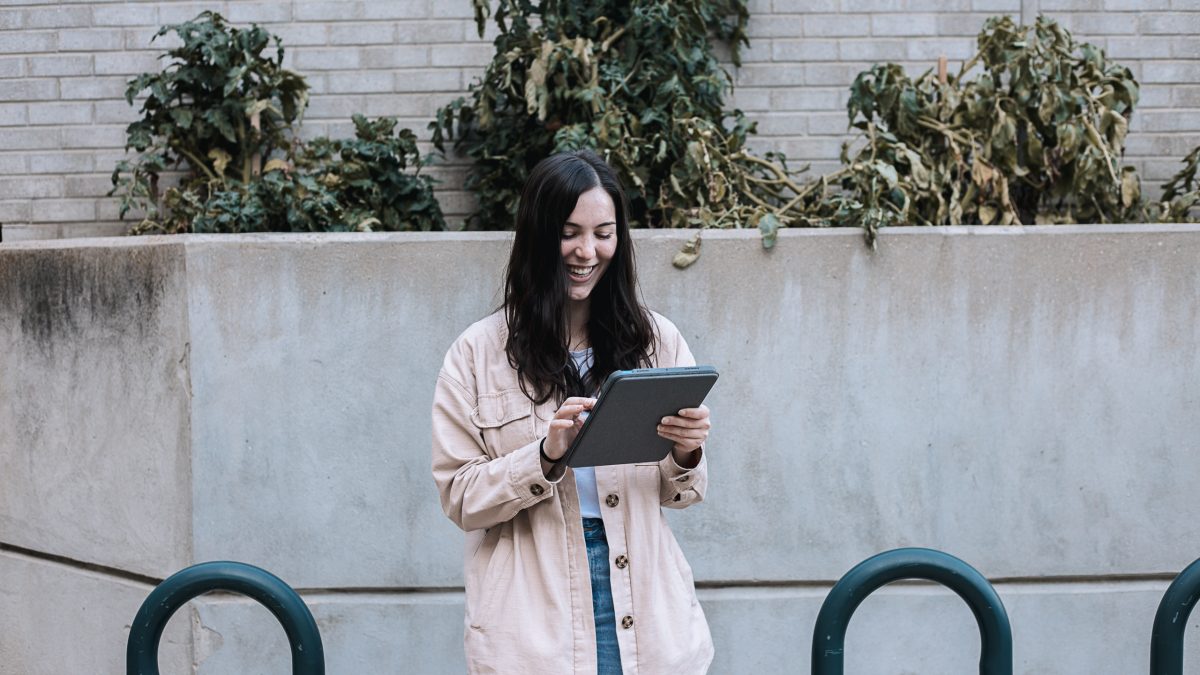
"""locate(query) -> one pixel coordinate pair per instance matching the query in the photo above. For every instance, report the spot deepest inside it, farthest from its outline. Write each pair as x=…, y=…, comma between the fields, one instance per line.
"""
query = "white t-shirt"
x=585, y=476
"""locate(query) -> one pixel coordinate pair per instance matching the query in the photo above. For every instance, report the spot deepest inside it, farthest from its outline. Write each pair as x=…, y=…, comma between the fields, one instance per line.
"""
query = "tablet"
x=622, y=427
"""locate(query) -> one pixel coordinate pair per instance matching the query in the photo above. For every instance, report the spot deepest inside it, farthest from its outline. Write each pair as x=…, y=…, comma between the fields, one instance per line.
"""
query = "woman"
x=567, y=570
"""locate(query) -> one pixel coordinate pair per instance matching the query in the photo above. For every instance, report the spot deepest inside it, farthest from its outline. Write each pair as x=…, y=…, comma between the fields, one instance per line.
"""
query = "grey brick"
x=56, y=17
x=24, y=42
x=28, y=90
x=1186, y=97
x=129, y=63
x=872, y=50
x=170, y=13
x=782, y=124
x=88, y=40
x=451, y=10
x=762, y=26
x=11, y=19
x=145, y=37
x=1138, y=48
x=362, y=33
x=13, y=163
x=1158, y=145
x=904, y=24
x=770, y=75
x=750, y=100
x=13, y=211
x=395, y=56
x=474, y=56
x=341, y=58
x=49, y=65
x=328, y=11
x=954, y=49
x=799, y=149
x=13, y=114
x=833, y=74
x=358, y=82
x=1173, y=23
x=83, y=88
x=31, y=187
x=837, y=25
x=1136, y=5
x=62, y=162
x=1170, y=120
x=301, y=34
x=996, y=6
x=960, y=25
x=72, y=112
x=1183, y=72
x=125, y=14
x=1070, y=5
x=334, y=107
x=12, y=66
x=93, y=137
x=808, y=98
x=419, y=105
x=63, y=210
x=445, y=79
x=115, y=112
x=26, y=232
x=801, y=7
x=93, y=185
x=944, y=6
x=805, y=49
x=398, y=9
x=259, y=12
x=1154, y=96
x=827, y=123
x=1086, y=25
x=875, y=6
x=428, y=32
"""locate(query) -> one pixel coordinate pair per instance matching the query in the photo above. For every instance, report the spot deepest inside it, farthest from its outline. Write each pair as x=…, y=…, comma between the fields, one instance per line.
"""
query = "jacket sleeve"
x=476, y=490
x=679, y=488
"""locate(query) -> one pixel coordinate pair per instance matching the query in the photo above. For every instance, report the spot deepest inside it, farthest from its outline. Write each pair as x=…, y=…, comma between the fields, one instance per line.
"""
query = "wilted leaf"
x=768, y=227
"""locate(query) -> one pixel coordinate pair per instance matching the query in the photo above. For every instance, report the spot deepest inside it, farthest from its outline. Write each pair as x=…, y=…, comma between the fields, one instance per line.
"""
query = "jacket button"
x=537, y=490
x=627, y=622
x=612, y=501
x=622, y=562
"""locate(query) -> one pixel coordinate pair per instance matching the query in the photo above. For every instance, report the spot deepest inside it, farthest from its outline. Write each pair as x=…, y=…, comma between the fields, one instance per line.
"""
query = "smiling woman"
x=557, y=579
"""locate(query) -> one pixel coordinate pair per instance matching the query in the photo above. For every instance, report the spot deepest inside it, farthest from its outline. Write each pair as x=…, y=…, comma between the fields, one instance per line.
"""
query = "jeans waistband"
x=593, y=528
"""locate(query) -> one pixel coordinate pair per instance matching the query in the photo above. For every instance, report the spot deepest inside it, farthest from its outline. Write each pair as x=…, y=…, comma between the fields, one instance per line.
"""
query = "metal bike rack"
x=141, y=655
x=995, y=634
x=1166, y=642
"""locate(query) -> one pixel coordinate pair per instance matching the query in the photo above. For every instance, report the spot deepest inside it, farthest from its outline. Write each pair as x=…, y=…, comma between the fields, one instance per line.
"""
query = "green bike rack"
x=995, y=634
x=1166, y=643
x=141, y=654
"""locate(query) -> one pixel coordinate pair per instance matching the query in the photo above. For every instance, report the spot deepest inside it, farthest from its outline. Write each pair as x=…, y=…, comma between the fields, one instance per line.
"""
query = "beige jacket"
x=529, y=603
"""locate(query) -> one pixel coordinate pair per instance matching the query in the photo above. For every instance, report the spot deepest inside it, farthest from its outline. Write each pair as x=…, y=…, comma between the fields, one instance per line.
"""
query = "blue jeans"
x=608, y=653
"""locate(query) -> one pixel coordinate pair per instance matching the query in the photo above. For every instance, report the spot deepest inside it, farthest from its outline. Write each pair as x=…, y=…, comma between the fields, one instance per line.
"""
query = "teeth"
x=579, y=271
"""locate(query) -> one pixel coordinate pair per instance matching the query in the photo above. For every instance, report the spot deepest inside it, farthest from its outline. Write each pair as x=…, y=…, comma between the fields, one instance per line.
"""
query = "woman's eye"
x=568, y=235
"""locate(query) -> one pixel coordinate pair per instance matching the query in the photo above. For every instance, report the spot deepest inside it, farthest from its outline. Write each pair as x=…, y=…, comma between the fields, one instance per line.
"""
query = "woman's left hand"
x=688, y=429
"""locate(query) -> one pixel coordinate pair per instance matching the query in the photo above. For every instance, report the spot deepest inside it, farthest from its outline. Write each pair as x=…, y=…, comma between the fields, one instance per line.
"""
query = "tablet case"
x=623, y=426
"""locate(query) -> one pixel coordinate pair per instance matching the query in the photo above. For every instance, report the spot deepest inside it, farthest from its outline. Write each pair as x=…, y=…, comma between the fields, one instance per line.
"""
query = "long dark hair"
x=535, y=286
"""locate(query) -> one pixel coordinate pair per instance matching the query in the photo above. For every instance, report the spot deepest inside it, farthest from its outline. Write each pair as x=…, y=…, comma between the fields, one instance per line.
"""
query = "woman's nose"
x=585, y=249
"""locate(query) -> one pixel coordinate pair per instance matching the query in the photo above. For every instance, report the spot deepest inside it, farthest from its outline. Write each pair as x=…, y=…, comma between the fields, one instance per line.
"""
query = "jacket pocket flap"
x=500, y=408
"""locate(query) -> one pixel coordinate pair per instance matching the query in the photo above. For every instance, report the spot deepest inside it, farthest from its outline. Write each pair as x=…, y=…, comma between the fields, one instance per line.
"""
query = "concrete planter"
x=1023, y=398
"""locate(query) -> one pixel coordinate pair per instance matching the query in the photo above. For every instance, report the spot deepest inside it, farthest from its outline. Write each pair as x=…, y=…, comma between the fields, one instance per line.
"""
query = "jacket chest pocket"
x=505, y=420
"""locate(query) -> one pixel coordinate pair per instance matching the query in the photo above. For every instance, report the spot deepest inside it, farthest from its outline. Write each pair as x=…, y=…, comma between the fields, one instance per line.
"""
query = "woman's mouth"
x=580, y=273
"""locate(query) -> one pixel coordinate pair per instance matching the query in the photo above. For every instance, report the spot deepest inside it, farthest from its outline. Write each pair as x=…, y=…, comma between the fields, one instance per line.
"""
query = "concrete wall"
x=1023, y=398
x=64, y=67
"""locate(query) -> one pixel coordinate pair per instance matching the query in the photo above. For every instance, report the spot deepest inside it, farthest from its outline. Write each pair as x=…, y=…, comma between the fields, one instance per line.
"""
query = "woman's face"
x=589, y=241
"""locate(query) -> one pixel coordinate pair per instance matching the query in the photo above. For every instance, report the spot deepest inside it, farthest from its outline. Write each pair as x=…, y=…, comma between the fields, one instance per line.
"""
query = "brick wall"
x=63, y=67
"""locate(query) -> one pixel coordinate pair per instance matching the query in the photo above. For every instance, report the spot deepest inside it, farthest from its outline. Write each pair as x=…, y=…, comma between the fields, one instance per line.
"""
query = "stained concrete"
x=94, y=416
x=57, y=619
x=1023, y=398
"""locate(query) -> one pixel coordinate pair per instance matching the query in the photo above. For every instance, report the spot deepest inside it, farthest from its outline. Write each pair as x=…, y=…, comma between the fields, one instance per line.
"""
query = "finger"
x=685, y=422
x=693, y=434
x=569, y=411
x=580, y=400
x=692, y=437
x=695, y=413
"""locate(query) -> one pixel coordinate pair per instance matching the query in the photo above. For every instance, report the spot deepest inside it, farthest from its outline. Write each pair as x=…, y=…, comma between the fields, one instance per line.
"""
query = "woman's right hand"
x=565, y=425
